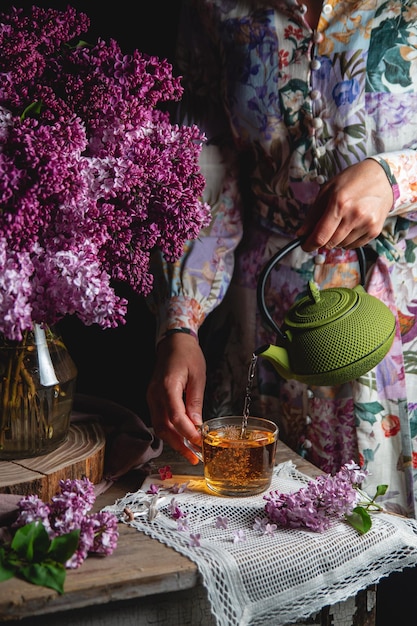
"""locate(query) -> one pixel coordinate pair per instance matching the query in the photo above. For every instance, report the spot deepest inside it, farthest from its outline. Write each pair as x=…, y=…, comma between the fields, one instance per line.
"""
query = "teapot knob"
x=314, y=291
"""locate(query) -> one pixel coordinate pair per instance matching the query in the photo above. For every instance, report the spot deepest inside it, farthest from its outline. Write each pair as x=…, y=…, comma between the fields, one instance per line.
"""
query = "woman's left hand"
x=350, y=210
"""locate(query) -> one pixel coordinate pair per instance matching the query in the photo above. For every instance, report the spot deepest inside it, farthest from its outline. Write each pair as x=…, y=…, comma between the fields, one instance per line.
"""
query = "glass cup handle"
x=194, y=448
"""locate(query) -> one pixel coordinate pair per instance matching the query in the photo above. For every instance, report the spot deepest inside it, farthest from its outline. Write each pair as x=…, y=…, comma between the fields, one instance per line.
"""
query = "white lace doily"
x=262, y=578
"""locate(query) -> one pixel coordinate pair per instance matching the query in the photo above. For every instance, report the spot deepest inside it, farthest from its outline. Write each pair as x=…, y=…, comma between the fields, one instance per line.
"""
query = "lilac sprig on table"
x=324, y=500
x=46, y=539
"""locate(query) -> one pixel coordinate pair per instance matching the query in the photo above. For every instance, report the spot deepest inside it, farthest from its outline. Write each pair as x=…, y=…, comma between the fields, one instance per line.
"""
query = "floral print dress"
x=284, y=108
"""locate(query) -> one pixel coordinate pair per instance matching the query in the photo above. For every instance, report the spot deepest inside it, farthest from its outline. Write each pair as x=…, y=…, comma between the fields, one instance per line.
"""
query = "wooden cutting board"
x=82, y=454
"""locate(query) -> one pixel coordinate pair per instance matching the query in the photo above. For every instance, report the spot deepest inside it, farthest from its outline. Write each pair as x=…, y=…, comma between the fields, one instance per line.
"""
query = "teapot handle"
x=270, y=265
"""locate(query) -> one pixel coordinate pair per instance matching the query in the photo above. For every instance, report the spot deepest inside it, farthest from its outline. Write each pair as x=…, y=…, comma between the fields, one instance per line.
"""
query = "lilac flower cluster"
x=324, y=499
x=94, y=176
x=68, y=511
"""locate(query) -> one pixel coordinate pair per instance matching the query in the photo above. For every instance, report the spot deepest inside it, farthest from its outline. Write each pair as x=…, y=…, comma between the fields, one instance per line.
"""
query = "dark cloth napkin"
x=130, y=444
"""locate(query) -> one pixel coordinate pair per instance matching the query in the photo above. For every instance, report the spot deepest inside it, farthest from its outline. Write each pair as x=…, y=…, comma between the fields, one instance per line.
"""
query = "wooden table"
x=145, y=582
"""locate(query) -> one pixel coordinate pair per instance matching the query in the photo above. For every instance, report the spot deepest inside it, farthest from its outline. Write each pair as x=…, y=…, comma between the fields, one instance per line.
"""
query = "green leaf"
x=7, y=569
x=33, y=108
x=47, y=574
x=31, y=542
x=380, y=490
x=33, y=557
x=359, y=519
x=64, y=546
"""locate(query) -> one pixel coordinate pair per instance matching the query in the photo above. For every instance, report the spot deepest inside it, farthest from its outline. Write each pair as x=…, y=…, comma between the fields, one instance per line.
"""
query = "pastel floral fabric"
x=285, y=107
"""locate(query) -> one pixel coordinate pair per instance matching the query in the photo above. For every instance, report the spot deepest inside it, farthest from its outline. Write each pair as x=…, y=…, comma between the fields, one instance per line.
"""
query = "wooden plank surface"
x=82, y=454
x=139, y=567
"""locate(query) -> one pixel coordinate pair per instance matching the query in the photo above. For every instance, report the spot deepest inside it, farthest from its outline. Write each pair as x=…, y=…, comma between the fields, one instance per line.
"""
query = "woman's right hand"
x=176, y=392
x=350, y=209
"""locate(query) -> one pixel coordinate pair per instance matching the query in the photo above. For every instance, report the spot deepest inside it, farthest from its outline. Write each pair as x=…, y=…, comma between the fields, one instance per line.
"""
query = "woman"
x=310, y=113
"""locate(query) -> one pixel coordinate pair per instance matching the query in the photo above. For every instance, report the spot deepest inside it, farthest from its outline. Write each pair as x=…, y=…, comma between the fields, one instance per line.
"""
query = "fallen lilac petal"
x=221, y=522
x=182, y=524
x=195, y=540
x=172, y=505
x=269, y=529
x=176, y=488
x=260, y=523
x=239, y=536
x=175, y=510
x=153, y=488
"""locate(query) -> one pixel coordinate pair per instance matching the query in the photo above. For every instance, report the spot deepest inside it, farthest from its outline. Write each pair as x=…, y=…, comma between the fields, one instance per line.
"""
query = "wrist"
x=181, y=329
x=390, y=176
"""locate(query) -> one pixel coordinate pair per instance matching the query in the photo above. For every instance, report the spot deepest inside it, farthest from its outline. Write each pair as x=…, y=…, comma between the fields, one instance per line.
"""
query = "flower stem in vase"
x=37, y=385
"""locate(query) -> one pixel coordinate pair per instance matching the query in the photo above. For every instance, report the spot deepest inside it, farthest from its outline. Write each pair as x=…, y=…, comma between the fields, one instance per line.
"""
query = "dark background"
x=116, y=364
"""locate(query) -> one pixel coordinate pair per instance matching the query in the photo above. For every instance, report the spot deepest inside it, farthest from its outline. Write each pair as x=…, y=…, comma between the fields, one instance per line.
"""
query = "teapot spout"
x=278, y=356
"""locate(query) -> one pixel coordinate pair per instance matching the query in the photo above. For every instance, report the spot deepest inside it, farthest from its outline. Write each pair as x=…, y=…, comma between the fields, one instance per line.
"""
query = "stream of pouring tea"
x=246, y=406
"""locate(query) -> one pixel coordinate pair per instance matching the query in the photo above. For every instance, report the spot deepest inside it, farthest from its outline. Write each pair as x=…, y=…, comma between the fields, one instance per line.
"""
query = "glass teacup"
x=237, y=461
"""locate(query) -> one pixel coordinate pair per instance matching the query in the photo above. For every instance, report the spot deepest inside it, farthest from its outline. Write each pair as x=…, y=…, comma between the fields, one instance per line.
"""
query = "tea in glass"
x=238, y=456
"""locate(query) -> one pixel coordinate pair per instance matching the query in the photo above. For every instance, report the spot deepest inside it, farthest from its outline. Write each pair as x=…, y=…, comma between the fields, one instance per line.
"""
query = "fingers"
x=355, y=239
x=176, y=391
x=169, y=419
x=344, y=222
x=350, y=210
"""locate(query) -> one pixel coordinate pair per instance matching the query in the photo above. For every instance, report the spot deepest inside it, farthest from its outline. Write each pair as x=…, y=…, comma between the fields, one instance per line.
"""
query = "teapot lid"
x=321, y=307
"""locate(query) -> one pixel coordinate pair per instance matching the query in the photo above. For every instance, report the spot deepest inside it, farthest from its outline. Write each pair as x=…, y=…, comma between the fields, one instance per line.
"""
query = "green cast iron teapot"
x=330, y=336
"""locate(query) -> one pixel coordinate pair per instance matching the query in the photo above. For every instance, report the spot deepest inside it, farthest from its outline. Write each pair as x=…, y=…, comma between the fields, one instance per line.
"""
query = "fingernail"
x=196, y=418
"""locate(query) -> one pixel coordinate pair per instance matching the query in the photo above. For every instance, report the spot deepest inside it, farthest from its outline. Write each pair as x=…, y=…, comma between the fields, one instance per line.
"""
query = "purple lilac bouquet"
x=94, y=176
x=47, y=539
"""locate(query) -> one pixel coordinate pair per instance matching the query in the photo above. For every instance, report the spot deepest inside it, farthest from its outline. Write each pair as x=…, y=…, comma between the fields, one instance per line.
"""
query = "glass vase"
x=37, y=386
